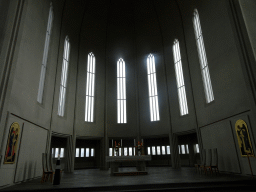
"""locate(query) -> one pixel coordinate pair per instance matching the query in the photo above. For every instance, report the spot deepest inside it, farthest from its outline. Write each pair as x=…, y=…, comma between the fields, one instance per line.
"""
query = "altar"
x=139, y=162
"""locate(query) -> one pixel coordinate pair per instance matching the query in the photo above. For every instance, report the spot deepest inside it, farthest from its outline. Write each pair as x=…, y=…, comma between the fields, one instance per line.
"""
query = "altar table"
x=139, y=160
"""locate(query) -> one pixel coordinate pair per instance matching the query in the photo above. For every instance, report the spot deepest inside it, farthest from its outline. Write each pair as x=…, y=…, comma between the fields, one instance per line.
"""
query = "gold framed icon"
x=243, y=138
x=12, y=143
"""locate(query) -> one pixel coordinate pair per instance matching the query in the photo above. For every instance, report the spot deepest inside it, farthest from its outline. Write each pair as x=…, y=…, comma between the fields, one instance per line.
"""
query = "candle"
x=121, y=143
x=134, y=143
x=142, y=140
x=112, y=142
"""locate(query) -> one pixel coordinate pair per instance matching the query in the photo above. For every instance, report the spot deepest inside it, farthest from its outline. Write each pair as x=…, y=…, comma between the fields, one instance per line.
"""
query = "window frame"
x=208, y=90
x=180, y=82
x=152, y=89
x=90, y=88
x=121, y=92
x=45, y=55
x=64, y=77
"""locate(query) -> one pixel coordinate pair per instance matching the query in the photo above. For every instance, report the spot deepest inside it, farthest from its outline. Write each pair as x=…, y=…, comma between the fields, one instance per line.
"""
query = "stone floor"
x=89, y=178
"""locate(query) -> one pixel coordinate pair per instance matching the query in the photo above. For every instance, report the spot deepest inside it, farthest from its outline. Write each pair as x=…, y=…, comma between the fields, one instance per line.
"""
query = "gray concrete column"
x=174, y=151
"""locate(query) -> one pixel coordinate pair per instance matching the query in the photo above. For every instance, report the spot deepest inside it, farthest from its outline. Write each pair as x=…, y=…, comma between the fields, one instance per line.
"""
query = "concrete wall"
x=120, y=44
x=132, y=33
x=73, y=11
x=28, y=158
x=149, y=40
x=9, y=11
x=171, y=24
x=229, y=87
x=92, y=39
x=29, y=55
x=249, y=15
x=6, y=9
x=24, y=78
x=91, y=161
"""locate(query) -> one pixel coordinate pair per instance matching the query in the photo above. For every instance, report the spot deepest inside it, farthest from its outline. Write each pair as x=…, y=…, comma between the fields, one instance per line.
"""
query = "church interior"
x=168, y=86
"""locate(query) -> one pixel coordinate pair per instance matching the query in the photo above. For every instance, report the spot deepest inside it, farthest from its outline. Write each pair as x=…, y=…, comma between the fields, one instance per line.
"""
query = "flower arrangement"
x=117, y=146
x=139, y=147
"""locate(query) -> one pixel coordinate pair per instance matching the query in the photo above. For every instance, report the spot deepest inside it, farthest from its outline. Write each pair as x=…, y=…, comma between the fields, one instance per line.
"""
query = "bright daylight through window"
x=202, y=58
x=45, y=56
x=90, y=88
x=64, y=75
x=180, y=78
x=152, y=89
x=121, y=92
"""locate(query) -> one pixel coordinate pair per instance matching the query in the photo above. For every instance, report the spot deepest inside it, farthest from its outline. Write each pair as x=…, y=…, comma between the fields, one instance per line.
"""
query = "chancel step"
x=133, y=173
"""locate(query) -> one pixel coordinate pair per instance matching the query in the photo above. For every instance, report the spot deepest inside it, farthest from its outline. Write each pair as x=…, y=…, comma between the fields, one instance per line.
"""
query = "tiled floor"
x=156, y=175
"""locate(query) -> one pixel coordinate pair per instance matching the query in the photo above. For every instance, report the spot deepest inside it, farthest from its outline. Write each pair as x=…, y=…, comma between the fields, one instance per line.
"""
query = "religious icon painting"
x=12, y=143
x=243, y=138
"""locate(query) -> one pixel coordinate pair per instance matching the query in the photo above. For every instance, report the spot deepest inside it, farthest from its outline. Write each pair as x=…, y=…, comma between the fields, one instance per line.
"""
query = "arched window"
x=45, y=56
x=64, y=75
x=152, y=89
x=89, y=103
x=121, y=92
x=179, y=78
x=202, y=58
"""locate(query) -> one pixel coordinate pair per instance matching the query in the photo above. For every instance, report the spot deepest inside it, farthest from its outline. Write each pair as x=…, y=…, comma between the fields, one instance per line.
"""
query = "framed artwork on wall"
x=12, y=143
x=243, y=138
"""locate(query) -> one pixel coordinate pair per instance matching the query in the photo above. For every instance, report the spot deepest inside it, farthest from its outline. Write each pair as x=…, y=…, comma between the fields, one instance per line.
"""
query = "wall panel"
x=32, y=146
x=220, y=136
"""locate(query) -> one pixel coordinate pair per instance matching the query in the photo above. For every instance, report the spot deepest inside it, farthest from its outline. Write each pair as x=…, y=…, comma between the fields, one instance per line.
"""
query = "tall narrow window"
x=77, y=152
x=125, y=151
x=180, y=78
x=87, y=154
x=52, y=152
x=90, y=88
x=82, y=152
x=121, y=92
x=187, y=149
x=163, y=150
x=202, y=58
x=152, y=89
x=158, y=150
x=110, y=151
x=168, y=150
x=45, y=56
x=130, y=151
x=148, y=150
x=61, y=152
x=64, y=75
x=183, y=149
x=92, y=152
x=196, y=148
x=153, y=150
x=56, y=152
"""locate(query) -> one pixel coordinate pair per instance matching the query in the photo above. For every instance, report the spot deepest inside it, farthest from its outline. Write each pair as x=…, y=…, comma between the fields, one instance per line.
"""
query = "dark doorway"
x=87, y=154
x=59, y=148
x=188, y=149
x=159, y=149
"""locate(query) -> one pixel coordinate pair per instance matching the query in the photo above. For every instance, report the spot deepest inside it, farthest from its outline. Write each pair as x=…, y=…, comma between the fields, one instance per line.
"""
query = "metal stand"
x=56, y=180
x=249, y=164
